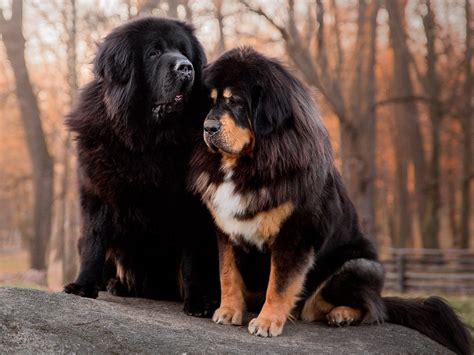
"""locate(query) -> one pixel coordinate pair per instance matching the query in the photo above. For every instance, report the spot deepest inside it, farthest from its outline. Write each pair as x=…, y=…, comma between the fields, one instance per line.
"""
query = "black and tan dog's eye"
x=234, y=101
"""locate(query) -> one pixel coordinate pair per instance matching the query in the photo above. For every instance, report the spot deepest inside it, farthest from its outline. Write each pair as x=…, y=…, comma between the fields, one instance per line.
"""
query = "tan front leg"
x=232, y=286
x=282, y=293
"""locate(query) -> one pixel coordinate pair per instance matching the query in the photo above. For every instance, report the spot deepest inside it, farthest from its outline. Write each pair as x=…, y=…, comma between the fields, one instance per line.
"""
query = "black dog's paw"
x=200, y=307
x=117, y=288
x=89, y=291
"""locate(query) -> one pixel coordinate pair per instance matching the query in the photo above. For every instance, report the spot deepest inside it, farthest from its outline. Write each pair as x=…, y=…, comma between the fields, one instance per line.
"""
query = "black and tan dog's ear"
x=271, y=106
x=114, y=60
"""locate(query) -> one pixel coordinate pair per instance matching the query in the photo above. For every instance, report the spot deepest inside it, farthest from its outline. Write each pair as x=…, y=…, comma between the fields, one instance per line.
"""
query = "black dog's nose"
x=212, y=126
x=184, y=67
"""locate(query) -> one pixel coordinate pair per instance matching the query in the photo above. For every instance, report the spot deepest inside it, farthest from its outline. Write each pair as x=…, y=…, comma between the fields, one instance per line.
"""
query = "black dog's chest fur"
x=114, y=168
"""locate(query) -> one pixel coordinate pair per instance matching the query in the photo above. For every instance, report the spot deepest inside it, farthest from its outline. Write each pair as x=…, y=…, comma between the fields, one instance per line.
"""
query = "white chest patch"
x=225, y=205
x=227, y=202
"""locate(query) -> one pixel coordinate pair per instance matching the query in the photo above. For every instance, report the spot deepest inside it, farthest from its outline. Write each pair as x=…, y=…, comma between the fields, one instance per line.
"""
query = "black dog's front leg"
x=200, y=267
x=92, y=263
x=92, y=249
x=200, y=282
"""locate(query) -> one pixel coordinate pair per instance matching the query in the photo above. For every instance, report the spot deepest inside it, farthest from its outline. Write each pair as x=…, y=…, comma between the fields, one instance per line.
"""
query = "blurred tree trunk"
x=407, y=109
x=66, y=235
x=42, y=162
x=173, y=8
x=189, y=11
x=467, y=132
x=451, y=191
x=431, y=84
x=220, y=21
x=358, y=134
x=356, y=114
x=403, y=219
x=148, y=6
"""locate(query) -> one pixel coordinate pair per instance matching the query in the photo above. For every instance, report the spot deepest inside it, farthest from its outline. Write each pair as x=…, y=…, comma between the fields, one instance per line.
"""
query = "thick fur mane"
x=293, y=157
x=299, y=152
x=90, y=120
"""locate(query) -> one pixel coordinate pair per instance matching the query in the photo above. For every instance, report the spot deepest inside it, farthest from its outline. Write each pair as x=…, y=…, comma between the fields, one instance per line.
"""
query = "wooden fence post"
x=401, y=270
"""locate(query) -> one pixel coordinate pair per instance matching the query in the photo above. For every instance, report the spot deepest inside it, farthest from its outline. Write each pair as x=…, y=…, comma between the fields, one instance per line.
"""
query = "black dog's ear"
x=114, y=59
x=200, y=54
x=271, y=106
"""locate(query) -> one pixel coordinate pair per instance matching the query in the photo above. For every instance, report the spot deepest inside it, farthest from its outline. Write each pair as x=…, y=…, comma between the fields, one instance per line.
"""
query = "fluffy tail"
x=432, y=317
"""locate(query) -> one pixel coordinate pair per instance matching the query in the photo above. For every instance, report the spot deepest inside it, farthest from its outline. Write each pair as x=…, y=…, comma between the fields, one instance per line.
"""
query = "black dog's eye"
x=154, y=53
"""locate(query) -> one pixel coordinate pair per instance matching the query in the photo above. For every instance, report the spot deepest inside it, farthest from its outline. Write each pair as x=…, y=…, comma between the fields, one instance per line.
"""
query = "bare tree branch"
x=259, y=11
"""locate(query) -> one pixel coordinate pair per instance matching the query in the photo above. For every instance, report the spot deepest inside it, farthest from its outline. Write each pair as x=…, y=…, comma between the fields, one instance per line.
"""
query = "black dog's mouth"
x=176, y=100
x=161, y=109
x=172, y=101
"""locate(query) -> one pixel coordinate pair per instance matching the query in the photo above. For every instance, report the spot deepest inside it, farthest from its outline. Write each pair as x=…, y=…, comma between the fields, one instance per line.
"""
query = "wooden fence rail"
x=429, y=270
x=10, y=242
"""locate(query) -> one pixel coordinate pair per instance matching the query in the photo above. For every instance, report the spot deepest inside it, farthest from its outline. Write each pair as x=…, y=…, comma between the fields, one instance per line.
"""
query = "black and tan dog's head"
x=228, y=126
x=249, y=101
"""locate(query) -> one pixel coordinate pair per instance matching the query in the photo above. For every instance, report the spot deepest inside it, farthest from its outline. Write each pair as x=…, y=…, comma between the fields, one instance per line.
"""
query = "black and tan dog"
x=285, y=222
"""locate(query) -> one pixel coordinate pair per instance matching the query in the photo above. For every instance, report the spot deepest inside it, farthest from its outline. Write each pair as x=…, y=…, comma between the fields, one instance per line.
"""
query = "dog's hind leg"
x=349, y=296
x=315, y=308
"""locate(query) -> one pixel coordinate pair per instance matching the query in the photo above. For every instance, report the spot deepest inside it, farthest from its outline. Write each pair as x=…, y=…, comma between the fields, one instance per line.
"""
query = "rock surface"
x=34, y=321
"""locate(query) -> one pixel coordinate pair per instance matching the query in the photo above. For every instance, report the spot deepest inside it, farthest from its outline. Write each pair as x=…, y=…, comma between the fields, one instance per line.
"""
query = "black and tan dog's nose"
x=212, y=126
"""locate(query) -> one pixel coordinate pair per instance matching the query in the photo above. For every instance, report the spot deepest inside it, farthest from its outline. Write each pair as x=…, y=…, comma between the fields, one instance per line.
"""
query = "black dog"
x=273, y=190
x=134, y=124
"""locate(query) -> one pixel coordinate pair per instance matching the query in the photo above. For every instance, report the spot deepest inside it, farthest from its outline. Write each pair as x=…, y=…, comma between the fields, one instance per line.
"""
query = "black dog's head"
x=148, y=68
x=250, y=101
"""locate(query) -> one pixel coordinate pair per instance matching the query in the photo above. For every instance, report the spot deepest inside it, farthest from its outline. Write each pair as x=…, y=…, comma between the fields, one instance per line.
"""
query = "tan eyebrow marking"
x=214, y=94
x=227, y=93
